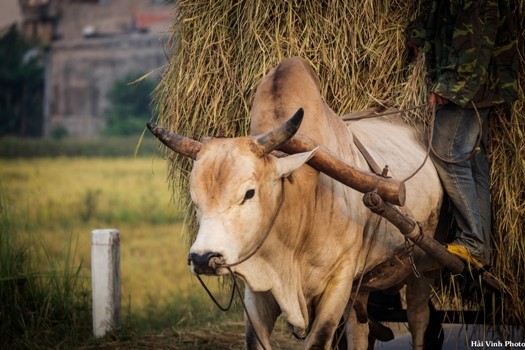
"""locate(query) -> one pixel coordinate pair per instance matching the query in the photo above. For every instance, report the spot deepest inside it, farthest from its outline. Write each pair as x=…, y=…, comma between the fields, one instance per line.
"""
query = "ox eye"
x=249, y=195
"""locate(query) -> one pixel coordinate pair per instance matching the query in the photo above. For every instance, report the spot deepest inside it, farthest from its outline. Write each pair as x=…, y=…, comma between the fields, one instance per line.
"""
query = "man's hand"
x=436, y=99
x=413, y=46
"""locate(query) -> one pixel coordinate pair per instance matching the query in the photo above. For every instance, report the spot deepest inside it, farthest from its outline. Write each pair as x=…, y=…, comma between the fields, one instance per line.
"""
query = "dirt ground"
x=229, y=336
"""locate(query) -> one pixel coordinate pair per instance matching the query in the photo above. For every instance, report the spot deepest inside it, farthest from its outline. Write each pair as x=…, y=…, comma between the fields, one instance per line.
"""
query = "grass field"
x=59, y=201
x=62, y=200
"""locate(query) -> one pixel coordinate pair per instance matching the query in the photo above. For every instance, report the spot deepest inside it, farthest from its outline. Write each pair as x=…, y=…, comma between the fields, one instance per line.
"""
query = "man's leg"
x=481, y=175
x=455, y=133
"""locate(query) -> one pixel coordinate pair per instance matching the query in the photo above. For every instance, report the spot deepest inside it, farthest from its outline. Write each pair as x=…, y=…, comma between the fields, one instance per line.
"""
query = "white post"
x=105, y=277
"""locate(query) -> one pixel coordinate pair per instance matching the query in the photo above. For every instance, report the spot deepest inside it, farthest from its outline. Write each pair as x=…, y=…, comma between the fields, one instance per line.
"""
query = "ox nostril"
x=216, y=261
x=205, y=263
x=202, y=259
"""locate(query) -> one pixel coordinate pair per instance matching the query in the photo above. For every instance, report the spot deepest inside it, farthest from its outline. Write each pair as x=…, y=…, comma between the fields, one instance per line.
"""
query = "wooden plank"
x=330, y=164
x=411, y=230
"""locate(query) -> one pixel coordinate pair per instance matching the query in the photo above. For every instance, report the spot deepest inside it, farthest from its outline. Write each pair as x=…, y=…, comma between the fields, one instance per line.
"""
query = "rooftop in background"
x=86, y=45
x=51, y=20
x=95, y=43
x=88, y=18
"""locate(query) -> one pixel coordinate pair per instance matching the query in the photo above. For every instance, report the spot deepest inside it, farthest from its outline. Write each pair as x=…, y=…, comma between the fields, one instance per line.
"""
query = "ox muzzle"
x=205, y=264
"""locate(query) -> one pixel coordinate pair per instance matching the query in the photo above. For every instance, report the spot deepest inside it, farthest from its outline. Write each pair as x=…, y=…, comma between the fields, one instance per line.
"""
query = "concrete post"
x=105, y=277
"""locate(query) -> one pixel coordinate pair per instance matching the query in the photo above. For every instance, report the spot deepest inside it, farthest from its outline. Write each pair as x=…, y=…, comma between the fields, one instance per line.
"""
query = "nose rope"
x=215, y=301
x=234, y=288
x=217, y=262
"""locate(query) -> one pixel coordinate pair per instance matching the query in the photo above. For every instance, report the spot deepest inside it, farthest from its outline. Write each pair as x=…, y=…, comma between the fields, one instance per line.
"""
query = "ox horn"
x=180, y=144
x=275, y=138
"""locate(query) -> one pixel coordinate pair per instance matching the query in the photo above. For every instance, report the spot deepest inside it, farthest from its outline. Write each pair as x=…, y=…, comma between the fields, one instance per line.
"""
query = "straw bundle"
x=223, y=48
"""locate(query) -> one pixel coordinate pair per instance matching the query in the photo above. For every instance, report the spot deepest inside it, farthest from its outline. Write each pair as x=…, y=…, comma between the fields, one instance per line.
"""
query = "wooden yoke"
x=411, y=230
x=330, y=164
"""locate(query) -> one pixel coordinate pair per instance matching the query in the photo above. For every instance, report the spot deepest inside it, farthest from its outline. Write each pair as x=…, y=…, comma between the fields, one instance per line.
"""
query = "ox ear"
x=287, y=165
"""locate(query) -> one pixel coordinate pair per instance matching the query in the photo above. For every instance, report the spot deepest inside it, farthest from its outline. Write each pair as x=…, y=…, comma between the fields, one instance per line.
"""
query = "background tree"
x=21, y=86
x=130, y=105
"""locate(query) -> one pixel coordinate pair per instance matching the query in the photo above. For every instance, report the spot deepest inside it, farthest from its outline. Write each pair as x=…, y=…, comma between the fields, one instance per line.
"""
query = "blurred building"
x=40, y=19
x=10, y=13
x=99, y=42
x=88, y=45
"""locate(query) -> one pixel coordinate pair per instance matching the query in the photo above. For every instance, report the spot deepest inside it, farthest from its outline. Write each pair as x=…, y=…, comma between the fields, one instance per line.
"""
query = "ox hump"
x=289, y=86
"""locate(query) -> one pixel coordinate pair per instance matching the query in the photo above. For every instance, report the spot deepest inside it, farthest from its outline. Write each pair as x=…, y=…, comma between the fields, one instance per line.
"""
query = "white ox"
x=323, y=237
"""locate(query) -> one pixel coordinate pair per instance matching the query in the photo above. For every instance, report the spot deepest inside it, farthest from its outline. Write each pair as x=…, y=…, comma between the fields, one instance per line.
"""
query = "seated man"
x=471, y=55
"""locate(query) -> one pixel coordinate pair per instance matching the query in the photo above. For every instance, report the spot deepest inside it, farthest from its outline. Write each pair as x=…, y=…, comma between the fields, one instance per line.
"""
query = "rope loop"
x=215, y=301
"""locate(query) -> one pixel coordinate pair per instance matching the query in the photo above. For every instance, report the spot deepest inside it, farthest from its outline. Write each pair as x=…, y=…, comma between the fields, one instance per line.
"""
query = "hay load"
x=222, y=49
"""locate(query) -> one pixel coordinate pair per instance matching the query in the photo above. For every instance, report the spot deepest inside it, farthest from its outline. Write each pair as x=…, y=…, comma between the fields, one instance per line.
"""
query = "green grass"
x=43, y=300
x=107, y=146
x=49, y=206
x=69, y=192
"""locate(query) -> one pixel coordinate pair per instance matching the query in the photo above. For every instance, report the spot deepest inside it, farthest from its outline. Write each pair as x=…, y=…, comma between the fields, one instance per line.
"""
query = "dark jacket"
x=471, y=50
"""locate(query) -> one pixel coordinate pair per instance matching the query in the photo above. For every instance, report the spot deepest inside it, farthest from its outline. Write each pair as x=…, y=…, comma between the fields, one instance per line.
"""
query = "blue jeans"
x=467, y=182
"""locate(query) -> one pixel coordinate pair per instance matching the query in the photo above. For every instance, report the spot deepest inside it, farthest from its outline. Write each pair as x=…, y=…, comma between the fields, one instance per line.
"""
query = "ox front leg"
x=260, y=315
x=329, y=311
x=322, y=335
x=356, y=327
x=417, y=297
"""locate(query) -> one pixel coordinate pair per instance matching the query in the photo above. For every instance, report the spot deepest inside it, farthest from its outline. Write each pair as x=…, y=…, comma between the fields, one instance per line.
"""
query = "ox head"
x=236, y=186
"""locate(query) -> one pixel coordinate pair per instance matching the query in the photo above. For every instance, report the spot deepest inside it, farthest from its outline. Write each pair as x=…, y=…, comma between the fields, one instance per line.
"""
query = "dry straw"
x=223, y=48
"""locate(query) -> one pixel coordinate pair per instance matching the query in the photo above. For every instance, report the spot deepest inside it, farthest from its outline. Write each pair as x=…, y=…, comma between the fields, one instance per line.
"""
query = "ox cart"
x=382, y=194
x=315, y=267
x=385, y=196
